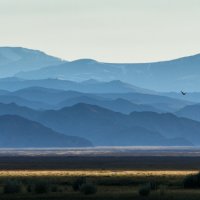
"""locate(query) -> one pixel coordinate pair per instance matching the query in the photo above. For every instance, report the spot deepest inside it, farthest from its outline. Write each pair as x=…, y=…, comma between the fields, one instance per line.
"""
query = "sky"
x=105, y=30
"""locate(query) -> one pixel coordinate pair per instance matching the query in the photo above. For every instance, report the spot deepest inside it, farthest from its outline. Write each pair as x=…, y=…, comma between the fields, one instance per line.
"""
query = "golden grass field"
x=116, y=178
x=61, y=173
x=111, y=184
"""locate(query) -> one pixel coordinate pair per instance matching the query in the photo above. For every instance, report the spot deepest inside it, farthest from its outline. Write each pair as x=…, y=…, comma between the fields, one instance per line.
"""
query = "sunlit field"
x=97, y=173
x=109, y=184
x=126, y=174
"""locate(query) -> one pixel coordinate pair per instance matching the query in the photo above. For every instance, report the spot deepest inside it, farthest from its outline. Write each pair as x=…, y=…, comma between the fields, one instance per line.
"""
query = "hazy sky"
x=106, y=30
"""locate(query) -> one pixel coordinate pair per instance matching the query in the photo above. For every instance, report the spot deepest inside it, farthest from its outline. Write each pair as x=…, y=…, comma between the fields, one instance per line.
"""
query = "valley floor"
x=119, y=185
x=119, y=176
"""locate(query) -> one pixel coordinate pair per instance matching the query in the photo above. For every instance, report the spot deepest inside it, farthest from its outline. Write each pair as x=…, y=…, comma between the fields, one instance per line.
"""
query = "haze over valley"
x=49, y=102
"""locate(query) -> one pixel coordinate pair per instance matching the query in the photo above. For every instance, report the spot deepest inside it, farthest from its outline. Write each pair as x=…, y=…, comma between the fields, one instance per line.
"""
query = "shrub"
x=145, y=190
x=78, y=183
x=192, y=181
x=88, y=189
x=41, y=187
x=153, y=185
x=163, y=190
x=29, y=188
x=12, y=186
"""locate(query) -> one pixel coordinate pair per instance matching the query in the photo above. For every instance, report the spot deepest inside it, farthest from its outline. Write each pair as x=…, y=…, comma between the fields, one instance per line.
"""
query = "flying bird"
x=183, y=93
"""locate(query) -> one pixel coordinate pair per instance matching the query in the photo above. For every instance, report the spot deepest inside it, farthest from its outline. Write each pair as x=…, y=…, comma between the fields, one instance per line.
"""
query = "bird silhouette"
x=183, y=93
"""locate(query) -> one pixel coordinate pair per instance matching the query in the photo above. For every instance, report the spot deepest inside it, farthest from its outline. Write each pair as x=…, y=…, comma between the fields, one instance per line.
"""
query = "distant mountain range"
x=105, y=127
x=46, y=98
x=174, y=75
x=158, y=101
x=24, y=102
x=20, y=132
x=89, y=86
x=48, y=102
x=191, y=112
x=16, y=59
x=118, y=105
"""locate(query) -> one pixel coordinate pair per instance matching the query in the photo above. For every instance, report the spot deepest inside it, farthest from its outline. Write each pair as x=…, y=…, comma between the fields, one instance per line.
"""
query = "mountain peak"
x=84, y=61
x=19, y=51
x=16, y=59
x=84, y=107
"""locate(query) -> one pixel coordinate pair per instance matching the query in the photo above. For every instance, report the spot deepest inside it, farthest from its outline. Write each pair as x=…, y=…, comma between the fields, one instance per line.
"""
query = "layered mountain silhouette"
x=48, y=102
x=191, y=112
x=97, y=123
x=20, y=132
x=46, y=98
x=169, y=125
x=160, y=102
x=16, y=59
x=174, y=75
x=89, y=86
x=105, y=127
x=24, y=102
x=118, y=105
